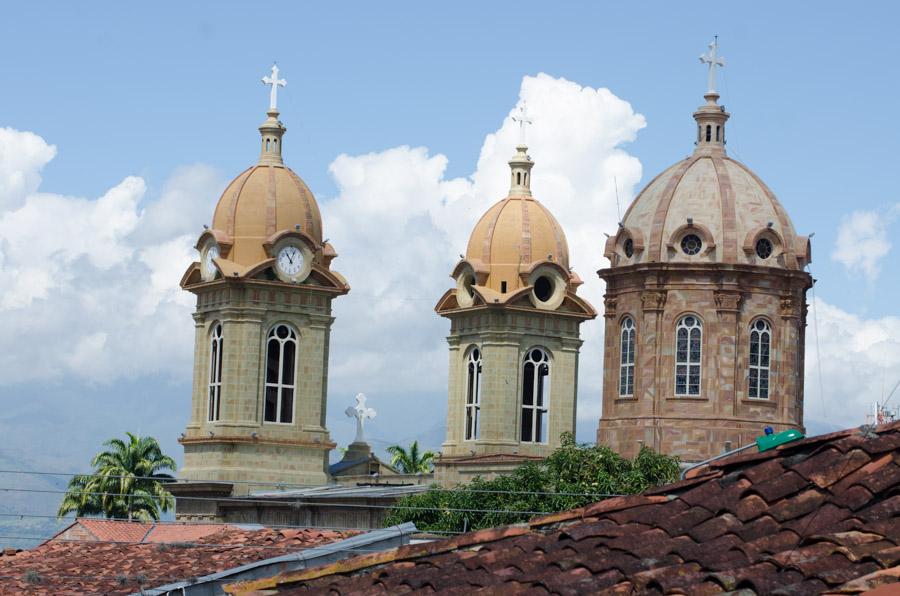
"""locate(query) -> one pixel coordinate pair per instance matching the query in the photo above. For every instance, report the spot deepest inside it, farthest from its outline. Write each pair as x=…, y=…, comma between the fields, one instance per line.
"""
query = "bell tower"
x=514, y=338
x=264, y=289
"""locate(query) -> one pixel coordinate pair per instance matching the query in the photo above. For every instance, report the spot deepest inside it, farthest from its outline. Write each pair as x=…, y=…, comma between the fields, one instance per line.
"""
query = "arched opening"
x=760, y=358
x=626, y=359
x=281, y=367
x=688, y=354
x=215, y=373
x=535, y=396
x=708, y=133
x=718, y=128
x=473, y=394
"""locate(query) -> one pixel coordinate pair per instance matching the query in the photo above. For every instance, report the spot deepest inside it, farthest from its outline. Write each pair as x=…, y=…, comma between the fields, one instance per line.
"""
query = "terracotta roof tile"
x=68, y=567
x=816, y=515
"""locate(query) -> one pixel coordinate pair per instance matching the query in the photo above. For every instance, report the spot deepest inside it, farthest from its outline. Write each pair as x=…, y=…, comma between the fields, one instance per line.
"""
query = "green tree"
x=572, y=476
x=127, y=482
x=411, y=462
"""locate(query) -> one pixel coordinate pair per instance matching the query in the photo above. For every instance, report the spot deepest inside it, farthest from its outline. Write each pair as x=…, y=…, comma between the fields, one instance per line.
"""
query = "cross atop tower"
x=713, y=60
x=360, y=412
x=275, y=82
x=524, y=119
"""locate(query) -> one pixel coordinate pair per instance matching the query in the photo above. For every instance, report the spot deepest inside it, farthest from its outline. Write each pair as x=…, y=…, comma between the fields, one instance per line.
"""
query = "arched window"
x=708, y=133
x=281, y=366
x=717, y=133
x=535, y=396
x=688, y=347
x=473, y=394
x=760, y=344
x=626, y=360
x=215, y=373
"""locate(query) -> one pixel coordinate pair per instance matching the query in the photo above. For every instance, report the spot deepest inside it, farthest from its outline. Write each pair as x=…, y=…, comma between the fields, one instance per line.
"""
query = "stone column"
x=727, y=311
x=649, y=354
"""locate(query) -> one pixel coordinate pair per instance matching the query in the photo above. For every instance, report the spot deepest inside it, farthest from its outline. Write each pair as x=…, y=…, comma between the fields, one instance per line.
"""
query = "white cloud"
x=400, y=226
x=863, y=241
x=92, y=289
x=858, y=360
x=22, y=155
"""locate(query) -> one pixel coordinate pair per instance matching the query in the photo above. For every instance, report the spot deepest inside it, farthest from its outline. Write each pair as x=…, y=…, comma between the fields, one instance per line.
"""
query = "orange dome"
x=261, y=201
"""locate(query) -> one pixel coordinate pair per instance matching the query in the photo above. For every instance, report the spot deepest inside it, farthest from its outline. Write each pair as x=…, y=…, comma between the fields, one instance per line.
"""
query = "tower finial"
x=275, y=82
x=272, y=130
x=712, y=59
x=524, y=119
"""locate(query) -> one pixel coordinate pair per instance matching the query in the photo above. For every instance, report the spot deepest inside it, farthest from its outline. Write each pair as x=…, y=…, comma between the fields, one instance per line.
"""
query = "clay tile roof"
x=83, y=566
x=816, y=515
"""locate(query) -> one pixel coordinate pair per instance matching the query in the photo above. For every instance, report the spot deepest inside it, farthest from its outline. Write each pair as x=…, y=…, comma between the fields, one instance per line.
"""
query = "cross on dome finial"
x=360, y=412
x=712, y=59
x=275, y=82
x=524, y=119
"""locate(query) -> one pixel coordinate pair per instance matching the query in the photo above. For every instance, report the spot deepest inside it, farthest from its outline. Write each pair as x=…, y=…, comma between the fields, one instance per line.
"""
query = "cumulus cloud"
x=402, y=225
x=862, y=241
x=855, y=361
x=92, y=283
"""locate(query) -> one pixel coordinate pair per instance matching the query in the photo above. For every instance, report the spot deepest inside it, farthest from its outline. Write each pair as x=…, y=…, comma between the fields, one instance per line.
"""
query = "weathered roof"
x=814, y=515
x=100, y=530
x=63, y=567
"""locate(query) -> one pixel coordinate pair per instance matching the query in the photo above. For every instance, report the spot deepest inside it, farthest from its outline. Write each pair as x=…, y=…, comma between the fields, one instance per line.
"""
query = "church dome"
x=517, y=249
x=263, y=200
x=708, y=208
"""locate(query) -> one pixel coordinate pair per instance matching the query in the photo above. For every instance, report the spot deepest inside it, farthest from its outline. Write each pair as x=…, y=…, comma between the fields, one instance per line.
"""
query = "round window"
x=691, y=244
x=764, y=248
x=629, y=248
x=543, y=288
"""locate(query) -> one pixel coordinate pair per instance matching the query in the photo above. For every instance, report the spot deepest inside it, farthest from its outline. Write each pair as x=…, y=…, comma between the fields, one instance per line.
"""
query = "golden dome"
x=517, y=255
x=708, y=208
x=260, y=202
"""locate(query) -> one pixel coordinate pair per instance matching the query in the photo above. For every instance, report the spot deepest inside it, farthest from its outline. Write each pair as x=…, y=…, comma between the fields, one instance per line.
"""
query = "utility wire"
x=206, y=523
x=279, y=485
x=257, y=501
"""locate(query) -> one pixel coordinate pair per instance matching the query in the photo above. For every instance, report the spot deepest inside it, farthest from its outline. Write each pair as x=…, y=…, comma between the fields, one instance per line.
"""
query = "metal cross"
x=360, y=412
x=275, y=82
x=713, y=60
x=524, y=119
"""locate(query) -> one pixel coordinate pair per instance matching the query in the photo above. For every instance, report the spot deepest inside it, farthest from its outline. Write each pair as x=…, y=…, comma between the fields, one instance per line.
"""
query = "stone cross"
x=712, y=59
x=275, y=82
x=524, y=120
x=360, y=412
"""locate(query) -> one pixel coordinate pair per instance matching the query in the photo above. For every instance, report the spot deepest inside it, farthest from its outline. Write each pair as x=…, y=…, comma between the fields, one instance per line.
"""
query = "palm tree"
x=127, y=482
x=411, y=462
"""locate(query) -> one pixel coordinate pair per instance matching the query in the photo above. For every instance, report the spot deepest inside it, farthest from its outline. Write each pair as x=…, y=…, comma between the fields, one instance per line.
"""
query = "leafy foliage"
x=127, y=482
x=411, y=462
x=573, y=476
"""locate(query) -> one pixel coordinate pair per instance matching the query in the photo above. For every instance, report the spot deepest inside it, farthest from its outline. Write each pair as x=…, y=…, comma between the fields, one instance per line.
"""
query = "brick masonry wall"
x=727, y=300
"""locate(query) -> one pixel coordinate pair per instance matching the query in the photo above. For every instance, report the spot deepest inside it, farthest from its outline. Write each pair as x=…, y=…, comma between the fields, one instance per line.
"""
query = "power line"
x=206, y=523
x=257, y=501
x=279, y=485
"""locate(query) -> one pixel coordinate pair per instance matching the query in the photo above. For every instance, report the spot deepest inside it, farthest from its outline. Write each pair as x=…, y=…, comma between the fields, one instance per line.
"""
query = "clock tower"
x=264, y=288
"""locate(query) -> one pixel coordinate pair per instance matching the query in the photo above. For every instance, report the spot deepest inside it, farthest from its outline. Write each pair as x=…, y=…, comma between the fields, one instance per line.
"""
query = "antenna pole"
x=618, y=208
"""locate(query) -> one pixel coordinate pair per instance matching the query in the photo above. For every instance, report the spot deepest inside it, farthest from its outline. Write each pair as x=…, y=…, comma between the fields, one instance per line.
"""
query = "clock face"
x=209, y=266
x=290, y=260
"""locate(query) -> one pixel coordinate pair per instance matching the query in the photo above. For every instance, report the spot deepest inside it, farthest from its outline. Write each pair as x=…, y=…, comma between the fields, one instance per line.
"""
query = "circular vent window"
x=629, y=248
x=691, y=244
x=543, y=288
x=764, y=248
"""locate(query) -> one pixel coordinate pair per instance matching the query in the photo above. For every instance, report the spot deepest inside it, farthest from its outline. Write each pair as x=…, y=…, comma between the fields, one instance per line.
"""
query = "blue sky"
x=124, y=90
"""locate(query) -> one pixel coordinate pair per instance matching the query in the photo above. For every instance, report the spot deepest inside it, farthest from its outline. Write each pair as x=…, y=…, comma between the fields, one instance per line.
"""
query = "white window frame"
x=214, y=391
x=627, y=341
x=540, y=386
x=761, y=370
x=689, y=363
x=472, y=420
x=280, y=385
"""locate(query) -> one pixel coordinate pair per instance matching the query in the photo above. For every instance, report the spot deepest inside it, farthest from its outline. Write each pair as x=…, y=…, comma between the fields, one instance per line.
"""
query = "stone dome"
x=708, y=208
x=517, y=253
x=262, y=201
